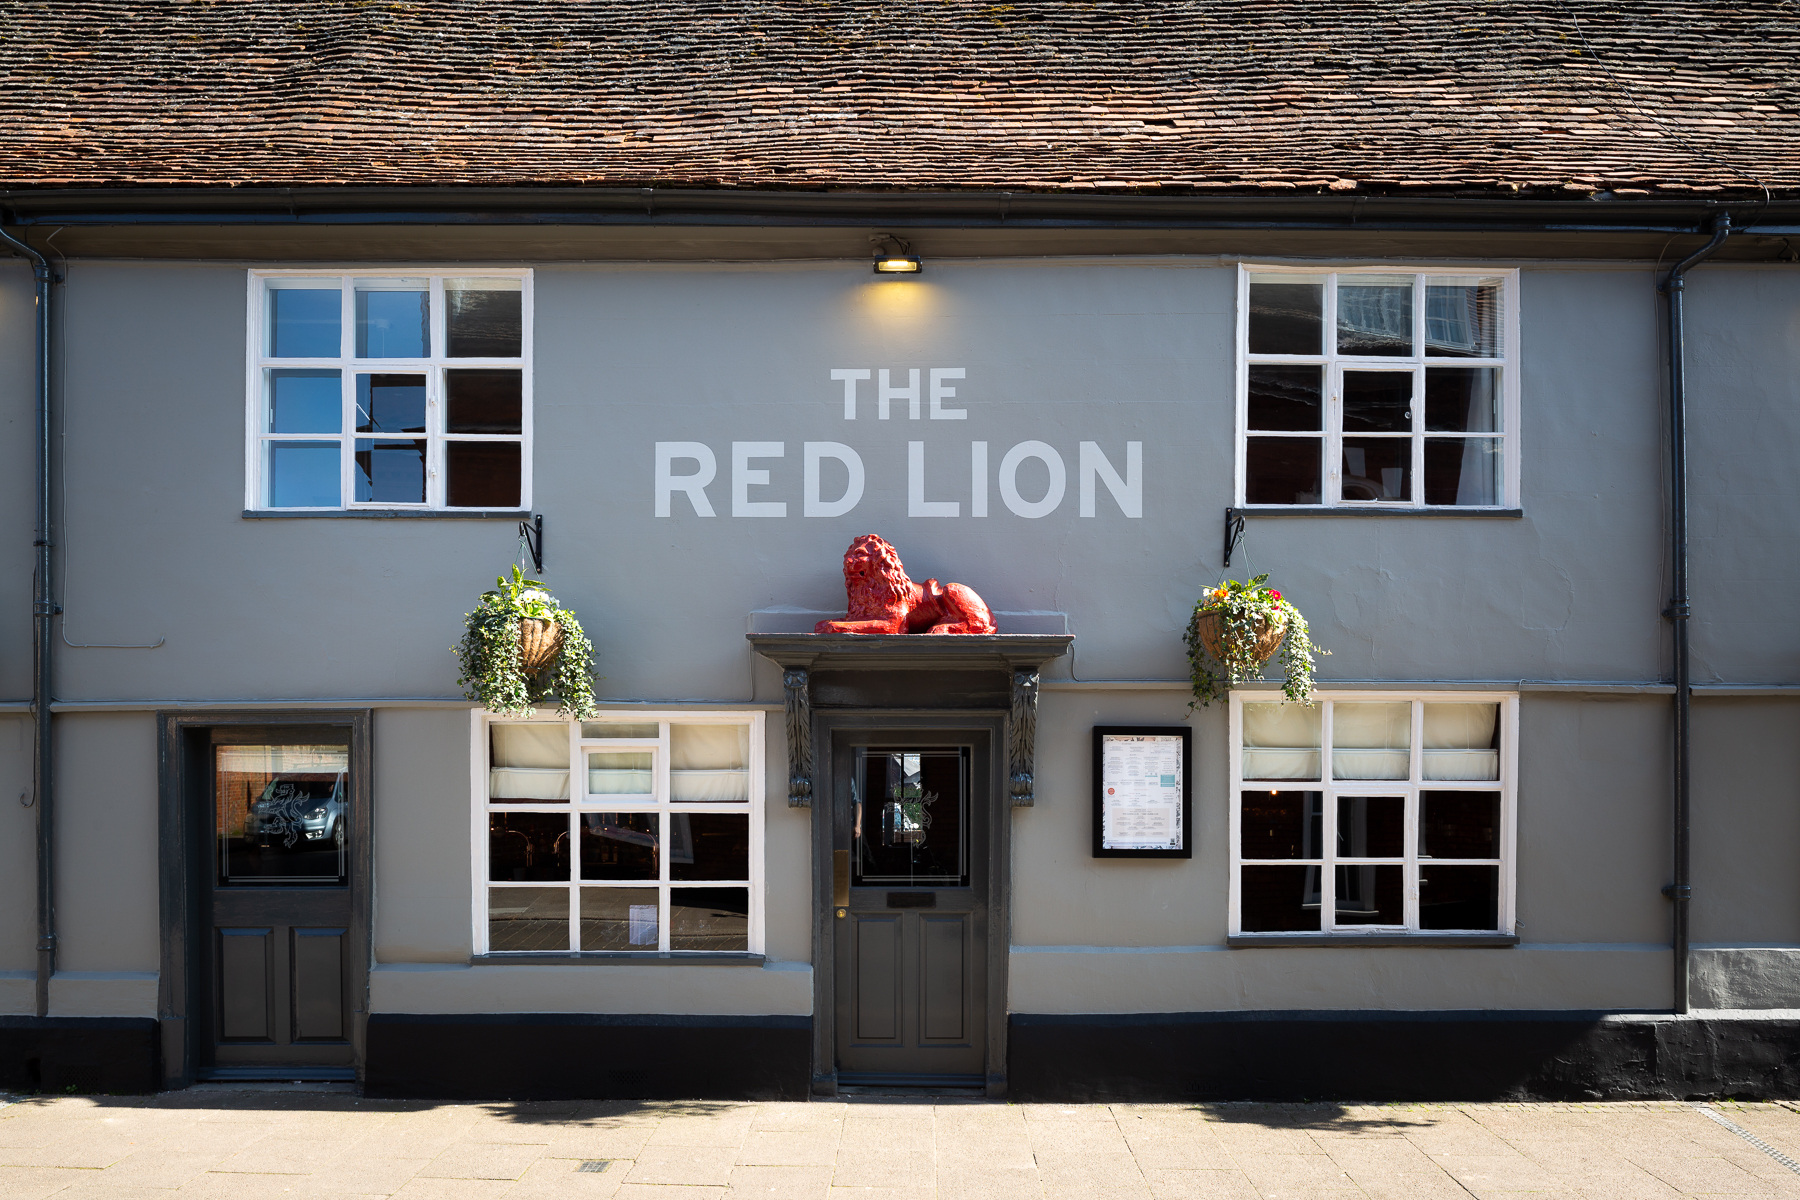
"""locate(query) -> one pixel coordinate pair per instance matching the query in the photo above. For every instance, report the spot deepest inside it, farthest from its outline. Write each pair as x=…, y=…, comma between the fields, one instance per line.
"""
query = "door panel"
x=246, y=985
x=318, y=984
x=877, y=978
x=943, y=945
x=909, y=809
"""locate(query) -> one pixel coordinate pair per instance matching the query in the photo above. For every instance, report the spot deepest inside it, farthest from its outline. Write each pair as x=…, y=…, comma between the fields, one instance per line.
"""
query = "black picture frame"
x=1186, y=734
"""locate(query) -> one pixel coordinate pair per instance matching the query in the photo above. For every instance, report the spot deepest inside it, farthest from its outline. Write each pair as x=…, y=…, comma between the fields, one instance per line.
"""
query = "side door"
x=910, y=829
x=281, y=972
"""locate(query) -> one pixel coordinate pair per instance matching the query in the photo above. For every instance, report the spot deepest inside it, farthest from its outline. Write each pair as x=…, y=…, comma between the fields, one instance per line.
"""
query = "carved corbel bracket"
x=1022, y=753
x=798, y=694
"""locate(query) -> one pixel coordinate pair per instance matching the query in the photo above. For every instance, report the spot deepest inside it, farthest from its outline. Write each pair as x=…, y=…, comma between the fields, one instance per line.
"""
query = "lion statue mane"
x=884, y=600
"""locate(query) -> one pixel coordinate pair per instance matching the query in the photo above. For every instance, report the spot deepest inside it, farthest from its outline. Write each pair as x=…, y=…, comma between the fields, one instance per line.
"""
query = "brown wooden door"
x=910, y=811
x=277, y=906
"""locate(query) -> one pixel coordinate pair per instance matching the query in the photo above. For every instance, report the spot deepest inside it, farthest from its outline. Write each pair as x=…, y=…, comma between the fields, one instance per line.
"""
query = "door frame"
x=185, y=856
x=827, y=723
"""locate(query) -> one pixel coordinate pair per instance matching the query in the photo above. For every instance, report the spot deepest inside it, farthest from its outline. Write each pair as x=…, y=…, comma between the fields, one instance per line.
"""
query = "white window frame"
x=1327, y=860
x=580, y=802
x=1334, y=364
x=259, y=362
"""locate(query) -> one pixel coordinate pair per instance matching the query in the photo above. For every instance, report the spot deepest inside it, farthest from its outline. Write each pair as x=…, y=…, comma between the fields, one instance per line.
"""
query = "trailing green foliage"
x=492, y=674
x=1247, y=610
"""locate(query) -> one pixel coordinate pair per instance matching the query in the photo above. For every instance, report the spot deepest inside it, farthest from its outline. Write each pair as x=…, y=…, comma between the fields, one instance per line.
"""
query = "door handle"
x=840, y=881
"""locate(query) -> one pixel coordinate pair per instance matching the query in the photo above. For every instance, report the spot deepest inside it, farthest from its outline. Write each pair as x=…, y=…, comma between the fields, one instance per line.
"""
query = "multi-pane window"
x=1373, y=814
x=1378, y=388
x=636, y=835
x=390, y=391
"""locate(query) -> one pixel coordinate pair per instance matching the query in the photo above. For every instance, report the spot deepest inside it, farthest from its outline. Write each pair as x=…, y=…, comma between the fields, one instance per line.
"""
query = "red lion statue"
x=884, y=600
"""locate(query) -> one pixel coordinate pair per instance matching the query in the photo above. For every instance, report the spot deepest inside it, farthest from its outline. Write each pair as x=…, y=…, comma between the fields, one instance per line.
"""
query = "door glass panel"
x=618, y=919
x=282, y=814
x=528, y=918
x=709, y=918
x=910, y=822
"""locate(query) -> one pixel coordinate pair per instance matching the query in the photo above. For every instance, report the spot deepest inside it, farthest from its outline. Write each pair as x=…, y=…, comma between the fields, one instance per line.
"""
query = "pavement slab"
x=217, y=1143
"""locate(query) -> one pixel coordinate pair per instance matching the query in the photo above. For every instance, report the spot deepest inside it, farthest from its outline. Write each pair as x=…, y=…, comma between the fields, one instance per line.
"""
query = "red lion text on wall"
x=884, y=600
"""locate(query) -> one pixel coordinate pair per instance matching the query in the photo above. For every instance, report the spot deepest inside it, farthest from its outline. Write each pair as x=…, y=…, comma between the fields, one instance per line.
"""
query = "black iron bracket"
x=1678, y=891
x=1234, y=532
x=532, y=534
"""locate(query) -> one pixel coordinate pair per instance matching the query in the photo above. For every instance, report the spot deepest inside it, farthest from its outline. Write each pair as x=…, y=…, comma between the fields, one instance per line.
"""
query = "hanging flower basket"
x=540, y=641
x=1236, y=628
x=520, y=648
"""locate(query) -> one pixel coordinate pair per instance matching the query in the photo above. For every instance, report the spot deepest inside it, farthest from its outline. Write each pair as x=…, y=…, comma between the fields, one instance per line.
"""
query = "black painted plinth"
x=87, y=1055
x=575, y=1056
x=1400, y=1056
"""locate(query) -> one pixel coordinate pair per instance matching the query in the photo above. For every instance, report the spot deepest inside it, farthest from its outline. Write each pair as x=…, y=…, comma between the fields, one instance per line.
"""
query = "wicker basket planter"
x=540, y=642
x=1211, y=630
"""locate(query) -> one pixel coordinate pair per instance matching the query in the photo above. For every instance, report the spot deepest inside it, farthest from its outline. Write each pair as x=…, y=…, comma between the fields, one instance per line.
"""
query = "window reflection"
x=528, y=846
x=910, y=816
x=528, y=919
x=305, y=317
x=619, y=846
x=619, y=919
x=282, y=813
x=1375, y=314
x=1287, y=315
x=484, y=318
x=393, y=318
x=1286, y=398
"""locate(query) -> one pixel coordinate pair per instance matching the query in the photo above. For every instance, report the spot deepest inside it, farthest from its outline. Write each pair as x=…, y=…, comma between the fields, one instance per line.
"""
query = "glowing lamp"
x=893, y=256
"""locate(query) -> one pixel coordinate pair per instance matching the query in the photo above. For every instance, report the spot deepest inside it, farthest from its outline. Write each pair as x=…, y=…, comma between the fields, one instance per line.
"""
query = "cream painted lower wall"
x=1070, y=979
x=774, y=989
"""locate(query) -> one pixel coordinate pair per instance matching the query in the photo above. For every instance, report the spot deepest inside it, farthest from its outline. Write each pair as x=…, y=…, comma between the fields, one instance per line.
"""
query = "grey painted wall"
x=1059, y=351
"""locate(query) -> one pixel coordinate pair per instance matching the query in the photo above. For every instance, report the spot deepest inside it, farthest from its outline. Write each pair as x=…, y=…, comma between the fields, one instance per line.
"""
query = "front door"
x=911, y=852
x=277, y=911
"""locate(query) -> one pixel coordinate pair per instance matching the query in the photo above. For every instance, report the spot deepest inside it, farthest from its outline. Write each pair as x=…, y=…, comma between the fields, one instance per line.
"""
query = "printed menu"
x=1140, y=781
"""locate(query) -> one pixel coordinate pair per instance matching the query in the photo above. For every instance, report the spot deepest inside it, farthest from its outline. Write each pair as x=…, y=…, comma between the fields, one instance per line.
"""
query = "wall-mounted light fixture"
x=894, y=256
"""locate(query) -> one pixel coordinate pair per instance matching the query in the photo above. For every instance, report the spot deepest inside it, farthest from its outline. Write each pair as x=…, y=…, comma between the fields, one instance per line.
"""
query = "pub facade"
x=1518, y=453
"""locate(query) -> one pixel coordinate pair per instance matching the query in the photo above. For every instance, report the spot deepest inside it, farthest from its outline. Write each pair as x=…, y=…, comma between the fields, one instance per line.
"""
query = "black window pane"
x=1378, y=469
x=1281, y=470
x=1459, y=825
x=1281, y=824
x=1286, y=398
x=1279, y=900
x=1459, y=897
x=390, y=471
x=1462, y=399
x=528, y=847
x=618, y=919
x=1371, y=827
x=482, y=474
x=619, y=846
x=709, y=919
x=1378, y=401
x=1462, y=471
x=483, y=402
x=709, y=846
x=528, y=919
x=1370, y=896
x=1286, y=318
x=484, y=319
x=1375, y=316
x=390, y=404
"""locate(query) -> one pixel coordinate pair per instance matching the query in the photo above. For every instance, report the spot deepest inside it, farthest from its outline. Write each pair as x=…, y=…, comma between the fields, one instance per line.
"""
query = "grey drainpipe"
x=43, y=609
x=1681, y=891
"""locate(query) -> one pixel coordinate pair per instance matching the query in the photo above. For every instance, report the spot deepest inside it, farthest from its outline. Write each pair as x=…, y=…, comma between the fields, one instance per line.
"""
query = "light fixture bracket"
x=894, y=255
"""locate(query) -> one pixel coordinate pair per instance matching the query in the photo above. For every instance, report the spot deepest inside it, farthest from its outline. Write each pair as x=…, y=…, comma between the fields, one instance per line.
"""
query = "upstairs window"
x=1377, y=389
x=389, y=391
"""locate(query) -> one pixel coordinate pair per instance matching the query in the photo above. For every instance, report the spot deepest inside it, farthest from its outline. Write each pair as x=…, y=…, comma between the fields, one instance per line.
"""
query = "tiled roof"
x=1683, y=98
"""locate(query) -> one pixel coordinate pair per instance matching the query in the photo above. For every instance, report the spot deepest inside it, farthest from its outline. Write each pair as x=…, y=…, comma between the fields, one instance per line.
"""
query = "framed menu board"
x=1143, y=791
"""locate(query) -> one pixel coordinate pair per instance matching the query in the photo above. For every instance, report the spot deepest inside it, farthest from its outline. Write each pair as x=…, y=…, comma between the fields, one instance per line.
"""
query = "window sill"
x=1264, y=941
x=616, y=957
x=415, y=514
x=1355, y=510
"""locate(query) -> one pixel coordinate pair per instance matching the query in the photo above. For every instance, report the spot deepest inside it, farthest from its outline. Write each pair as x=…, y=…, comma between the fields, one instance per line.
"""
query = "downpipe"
x=1679, y=612
x=43, y=611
